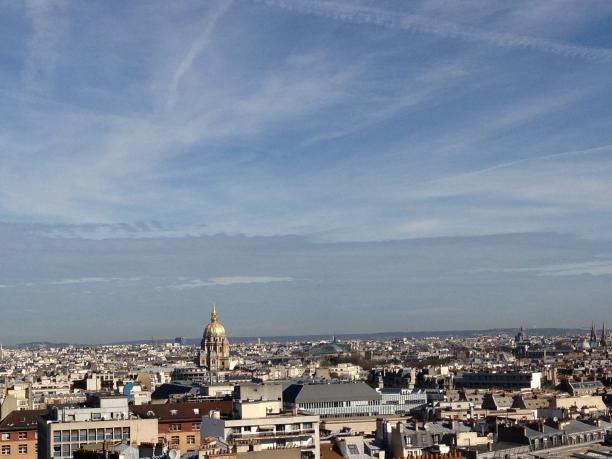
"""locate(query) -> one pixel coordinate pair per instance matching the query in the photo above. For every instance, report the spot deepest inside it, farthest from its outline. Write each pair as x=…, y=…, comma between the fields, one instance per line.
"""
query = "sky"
x=312, y=167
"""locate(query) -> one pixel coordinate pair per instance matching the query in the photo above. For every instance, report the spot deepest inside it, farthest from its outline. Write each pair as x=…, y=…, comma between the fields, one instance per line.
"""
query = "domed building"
x=214, y=348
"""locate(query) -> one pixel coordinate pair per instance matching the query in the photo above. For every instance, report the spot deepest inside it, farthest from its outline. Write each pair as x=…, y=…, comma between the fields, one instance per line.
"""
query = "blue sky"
x=321, y=166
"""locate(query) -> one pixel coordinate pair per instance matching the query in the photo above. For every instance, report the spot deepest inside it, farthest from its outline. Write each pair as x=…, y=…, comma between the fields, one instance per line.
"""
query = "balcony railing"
x=271, y=434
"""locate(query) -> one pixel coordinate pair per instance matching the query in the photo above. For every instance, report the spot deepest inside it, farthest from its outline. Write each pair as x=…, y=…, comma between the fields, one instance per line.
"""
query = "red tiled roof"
x=21, y=420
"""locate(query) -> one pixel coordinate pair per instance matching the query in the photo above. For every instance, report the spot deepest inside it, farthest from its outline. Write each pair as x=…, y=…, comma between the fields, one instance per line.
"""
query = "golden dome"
x=214, y=328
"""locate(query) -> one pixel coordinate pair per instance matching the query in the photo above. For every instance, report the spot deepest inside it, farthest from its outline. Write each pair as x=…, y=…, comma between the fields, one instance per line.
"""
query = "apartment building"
x=351, y=400
x=179, y=423
x=64, y=429
x=258, y=423
x=18, y=434
x=512, y=380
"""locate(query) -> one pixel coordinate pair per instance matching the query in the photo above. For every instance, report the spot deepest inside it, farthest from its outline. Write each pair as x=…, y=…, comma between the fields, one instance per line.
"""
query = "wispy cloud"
x=603, y=268
x=75, y=281
x=548, y=179
x=345, y=133
x=196, y=48
x=93, y=280
x=229, y=280
x=398, y=277
x=49, y=23
x=137, y=230
x=359, y=14
x=588, y=268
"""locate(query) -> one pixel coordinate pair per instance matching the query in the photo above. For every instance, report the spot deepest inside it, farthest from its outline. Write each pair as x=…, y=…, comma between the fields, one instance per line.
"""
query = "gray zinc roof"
x=313, y=393
x=573, y=427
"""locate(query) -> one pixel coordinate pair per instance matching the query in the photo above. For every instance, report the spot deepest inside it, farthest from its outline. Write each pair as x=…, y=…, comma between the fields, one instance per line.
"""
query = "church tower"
x=593, y=341
x=214, y=348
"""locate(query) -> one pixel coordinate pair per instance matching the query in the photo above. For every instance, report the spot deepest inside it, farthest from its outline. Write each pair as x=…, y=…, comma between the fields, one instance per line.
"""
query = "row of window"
x=175, y=440
x=279, y=428
x=64, y=450
x=6, y=450
x=179, y=427
x=84, y=435
x=7, y=436
x=338, y=404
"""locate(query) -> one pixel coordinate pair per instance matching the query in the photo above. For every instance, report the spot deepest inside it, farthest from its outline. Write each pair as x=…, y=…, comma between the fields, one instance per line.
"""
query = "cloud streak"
x=93, y=280
x=76, y=281
x=227, y=281
x=48, y=25
x=197, y=47
x=587, y=268
x=358, y=14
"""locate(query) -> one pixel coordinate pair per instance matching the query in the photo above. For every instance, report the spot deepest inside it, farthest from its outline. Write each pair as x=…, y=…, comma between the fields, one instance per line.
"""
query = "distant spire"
x=593, y=334
x=602, y=341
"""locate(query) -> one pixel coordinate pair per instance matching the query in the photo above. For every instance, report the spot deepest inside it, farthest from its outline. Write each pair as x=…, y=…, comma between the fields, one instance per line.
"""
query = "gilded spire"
x=213, y=314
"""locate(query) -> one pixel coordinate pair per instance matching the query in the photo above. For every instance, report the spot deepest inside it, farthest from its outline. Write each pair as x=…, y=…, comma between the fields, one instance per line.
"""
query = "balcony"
x=247, y=437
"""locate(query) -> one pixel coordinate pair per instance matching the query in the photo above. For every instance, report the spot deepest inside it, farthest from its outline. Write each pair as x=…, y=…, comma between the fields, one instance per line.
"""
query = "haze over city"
x=313, y=167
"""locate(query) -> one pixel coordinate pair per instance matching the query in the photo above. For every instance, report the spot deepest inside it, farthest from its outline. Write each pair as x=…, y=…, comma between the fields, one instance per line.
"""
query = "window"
x=195, y=426
x=6, y=450
x=6, y=436
x=23, y=449
x=57, y=451
x=191, y=439
x=175, y=427
x=23, y=435
x=174, y=440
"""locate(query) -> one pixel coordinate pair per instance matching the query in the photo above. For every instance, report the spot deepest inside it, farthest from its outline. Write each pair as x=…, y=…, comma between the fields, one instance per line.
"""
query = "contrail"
x=552, y=156
x=358, y=14
x=196, y=48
